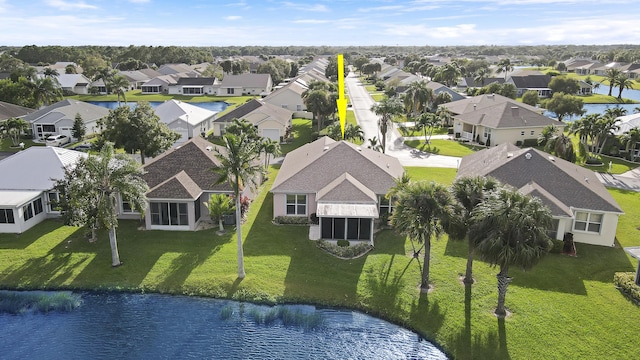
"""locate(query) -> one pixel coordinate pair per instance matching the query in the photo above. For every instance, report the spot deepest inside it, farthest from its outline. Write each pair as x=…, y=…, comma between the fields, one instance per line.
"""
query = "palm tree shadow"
x=468, y=346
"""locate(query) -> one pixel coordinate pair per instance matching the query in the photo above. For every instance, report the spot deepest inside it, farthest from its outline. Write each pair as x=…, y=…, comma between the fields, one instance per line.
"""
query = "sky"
x=318, y=22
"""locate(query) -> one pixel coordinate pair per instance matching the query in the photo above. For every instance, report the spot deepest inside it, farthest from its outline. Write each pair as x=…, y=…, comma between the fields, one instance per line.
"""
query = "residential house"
x=74, y=83
x=180, y=181
x=26, y=186
x=578, y=201
x=57, y=119
x=8, y=110
x=535, y=82
x=342, y=184
x=441, y=88
x=481, y=101
x=245, y=84
x=631, y=70
x=626, y=123
x=186, y=119
x=271, y=120
x=174, y=69
x=194, y=86
x=588, y=68
x=290, y=97
x=469, y=82
x=138, y=77
x=506, y=122
x=160, y=84
x=585, y=88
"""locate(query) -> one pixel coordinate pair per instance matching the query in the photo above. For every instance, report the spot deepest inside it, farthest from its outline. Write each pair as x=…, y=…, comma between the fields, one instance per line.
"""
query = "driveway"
x=361, y=104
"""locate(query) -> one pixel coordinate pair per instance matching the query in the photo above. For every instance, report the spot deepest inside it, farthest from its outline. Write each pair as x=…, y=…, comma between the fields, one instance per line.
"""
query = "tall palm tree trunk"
x=115, y=257
x=468, y=275
x=503, y=283
x=424, y=285
x=241, y=273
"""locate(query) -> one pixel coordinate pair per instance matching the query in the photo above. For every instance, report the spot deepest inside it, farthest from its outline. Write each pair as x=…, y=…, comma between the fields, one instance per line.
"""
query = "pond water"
x=147, y=326
x=626, y=93
x=596, y=109
x=216, y=106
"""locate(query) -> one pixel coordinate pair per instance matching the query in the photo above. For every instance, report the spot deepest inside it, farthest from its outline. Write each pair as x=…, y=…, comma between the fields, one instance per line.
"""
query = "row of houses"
x=595, y=67
x=341, y=184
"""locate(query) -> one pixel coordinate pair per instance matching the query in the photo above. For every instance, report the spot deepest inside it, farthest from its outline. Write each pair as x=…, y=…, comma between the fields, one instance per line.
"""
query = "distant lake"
x=626, y=93
x=596, y=109
x=216, y=106
x=152, y=326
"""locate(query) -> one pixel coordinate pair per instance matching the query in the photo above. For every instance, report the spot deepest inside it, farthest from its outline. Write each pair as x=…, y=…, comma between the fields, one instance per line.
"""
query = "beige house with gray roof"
x=343, y=184
x=497, y=119
x=578, y=201
x=59, y=117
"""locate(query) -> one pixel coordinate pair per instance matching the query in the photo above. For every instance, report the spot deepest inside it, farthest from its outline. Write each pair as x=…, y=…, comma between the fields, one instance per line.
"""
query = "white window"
x=6, y=216
x=533, y=132
x=296, y=204
x=487, y=132
x=385, y=205
x=522, y=133
x=588, y=222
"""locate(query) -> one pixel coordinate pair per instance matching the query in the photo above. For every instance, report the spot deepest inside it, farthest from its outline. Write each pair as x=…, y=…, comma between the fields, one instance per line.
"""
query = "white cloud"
x=233, y=17
x=67, y=5
x=306, y=7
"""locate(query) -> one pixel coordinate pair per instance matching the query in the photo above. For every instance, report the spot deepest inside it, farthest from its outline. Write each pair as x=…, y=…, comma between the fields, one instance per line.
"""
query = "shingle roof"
x=565, y=183
x=313, y=166
x=179, y=186
x=346, y=189
x=194, y=160
x=507, y=115
x=239, y=112
x=481, y=101
x=70, y=108
x=531, y=81
x=8, y=110
x=246, y=80
x=196, y=81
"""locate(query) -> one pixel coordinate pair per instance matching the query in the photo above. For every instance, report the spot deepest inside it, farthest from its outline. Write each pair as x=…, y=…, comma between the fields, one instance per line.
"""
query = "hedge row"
x=625, y=281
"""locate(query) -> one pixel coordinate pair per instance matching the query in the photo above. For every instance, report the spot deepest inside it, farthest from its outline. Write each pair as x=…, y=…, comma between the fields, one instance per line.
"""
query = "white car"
x=57, y=140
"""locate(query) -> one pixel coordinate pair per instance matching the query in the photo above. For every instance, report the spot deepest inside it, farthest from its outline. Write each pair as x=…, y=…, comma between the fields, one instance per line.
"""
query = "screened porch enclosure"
x=337, y=228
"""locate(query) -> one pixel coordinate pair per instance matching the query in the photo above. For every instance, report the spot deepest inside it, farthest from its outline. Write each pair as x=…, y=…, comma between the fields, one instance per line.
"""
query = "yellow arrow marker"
x=341, y=102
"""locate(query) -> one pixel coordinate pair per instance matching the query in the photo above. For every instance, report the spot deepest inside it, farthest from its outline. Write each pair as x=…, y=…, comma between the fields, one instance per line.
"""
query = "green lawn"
x=301, y=135
x=7, y=145
x=136, y=95
x=565, y=308
x=444, y=147
x=411, y=131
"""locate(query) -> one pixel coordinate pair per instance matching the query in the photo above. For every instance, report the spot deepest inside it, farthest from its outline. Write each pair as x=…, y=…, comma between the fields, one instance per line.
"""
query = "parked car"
x=57, y=140
x=82, y=147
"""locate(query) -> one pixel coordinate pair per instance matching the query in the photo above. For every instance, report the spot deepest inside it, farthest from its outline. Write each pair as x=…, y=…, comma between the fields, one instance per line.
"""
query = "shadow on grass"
x=467, y=346
x=22, y=241
x=561, y=273
x=76, y=262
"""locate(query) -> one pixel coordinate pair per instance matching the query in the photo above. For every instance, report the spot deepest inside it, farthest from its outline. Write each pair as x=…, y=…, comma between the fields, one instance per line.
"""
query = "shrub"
x=625, y=282
x=292, y=220
x=530, y=142
x=593, y=161
x=343, y=242
x=344, y=252
x=518, y=143
x=24, y=302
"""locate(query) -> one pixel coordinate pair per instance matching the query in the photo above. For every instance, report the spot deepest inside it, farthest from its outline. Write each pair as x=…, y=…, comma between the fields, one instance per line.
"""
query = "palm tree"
x=445, y=116
x=604, y=128
x=239, y=167
x=50, y=73
x=374, y=144
x=562, y=147
x=547, y=133
x=504, y=66
x=90, y=191
x=387, y=109
x=218, y=206
x=449, y=73
x=270, y=148
x=14, y=128
x=427, y=121
x=120, y=85
x=630, y=139
x=317, y=101
x=468, y=192
x=353, y=132
x=45, y=91
x=420, y=211
x=510, y=229
x=611, y=75
x=623, y=82
x=480, y=76
x=418, y=98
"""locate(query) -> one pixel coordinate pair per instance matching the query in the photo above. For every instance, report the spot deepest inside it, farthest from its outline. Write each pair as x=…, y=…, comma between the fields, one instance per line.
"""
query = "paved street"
x=368, y=121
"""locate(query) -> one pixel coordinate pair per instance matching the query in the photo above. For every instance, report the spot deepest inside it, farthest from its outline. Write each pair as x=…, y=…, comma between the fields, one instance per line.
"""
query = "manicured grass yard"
x=565, y=308
x=444, y=147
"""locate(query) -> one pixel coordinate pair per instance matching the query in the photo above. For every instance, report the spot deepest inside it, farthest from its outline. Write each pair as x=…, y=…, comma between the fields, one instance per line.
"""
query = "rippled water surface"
x=134, y=326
